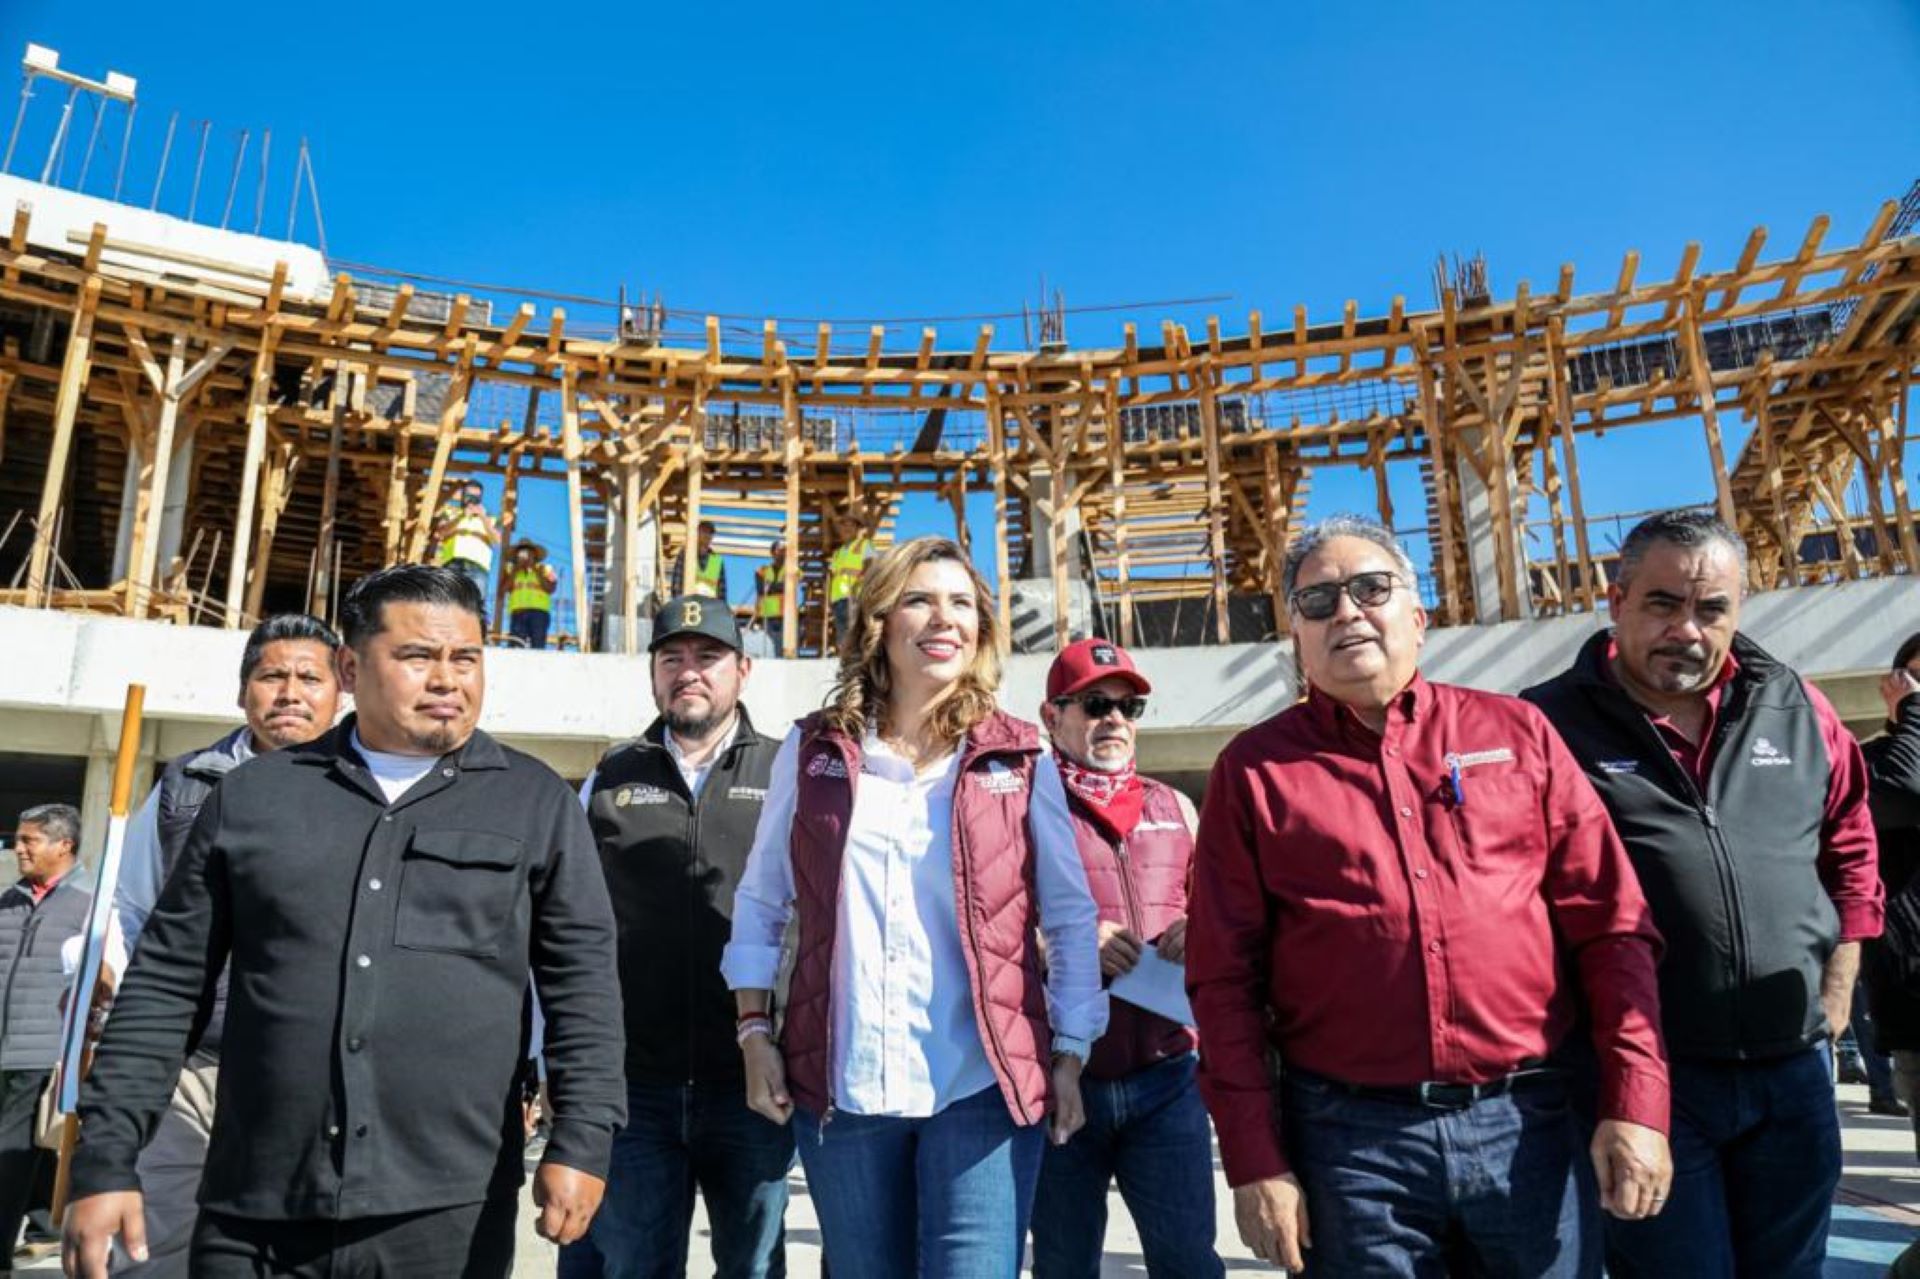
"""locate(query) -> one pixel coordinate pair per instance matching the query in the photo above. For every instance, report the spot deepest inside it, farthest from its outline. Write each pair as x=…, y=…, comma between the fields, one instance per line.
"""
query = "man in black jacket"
x=1892, y=969
x=1742, y=801
x=289, y=693
x=674, y=813
x=382, y=897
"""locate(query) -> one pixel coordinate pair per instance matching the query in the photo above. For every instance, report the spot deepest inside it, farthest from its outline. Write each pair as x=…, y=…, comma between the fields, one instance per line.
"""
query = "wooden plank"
x=630, y=557
x=1695, y=356
x=72, y=389
x=260, y=390
x=1216, y=504
x=1433, y=426
x=1002, y=558
x=1117, y=483
x=274, y=492
x=330, y=496
x=1563, y=419
x=790, y=453
x=453, y=415
x=696, y=479
x=1893, y=445
x=146, y=532
x=576, y=521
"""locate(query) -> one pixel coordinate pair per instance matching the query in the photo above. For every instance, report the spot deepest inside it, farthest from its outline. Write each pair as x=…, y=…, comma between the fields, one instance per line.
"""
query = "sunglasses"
x=1099, y=705
x=1320, y=601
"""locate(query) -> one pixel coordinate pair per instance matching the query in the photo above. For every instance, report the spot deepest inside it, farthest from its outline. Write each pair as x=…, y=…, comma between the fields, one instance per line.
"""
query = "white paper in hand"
x=1157, y=985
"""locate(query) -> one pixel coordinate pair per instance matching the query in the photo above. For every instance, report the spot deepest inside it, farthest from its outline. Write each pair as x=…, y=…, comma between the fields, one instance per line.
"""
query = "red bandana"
x=1110, y=800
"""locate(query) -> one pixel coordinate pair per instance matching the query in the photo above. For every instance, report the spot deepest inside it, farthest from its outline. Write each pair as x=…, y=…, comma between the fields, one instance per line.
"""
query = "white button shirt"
x=905, y=1041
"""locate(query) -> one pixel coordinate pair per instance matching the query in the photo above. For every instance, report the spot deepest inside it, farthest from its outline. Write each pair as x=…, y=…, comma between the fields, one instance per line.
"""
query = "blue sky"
x=905, y=160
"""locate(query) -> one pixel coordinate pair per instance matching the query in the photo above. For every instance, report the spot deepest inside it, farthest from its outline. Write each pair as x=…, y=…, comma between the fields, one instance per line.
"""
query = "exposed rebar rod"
x=260, y=188
x=126, y=145
x=166, y=152
x=313, y=190
x=293, y=199
x=193, y=200
x=59, y=135
x=99, y=108
x=19, y=118
x=233, y=183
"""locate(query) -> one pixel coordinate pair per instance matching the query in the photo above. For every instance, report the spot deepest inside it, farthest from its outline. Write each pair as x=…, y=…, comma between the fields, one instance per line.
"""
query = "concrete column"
x=1477, y=508
x=129, y=503
x=173, y=510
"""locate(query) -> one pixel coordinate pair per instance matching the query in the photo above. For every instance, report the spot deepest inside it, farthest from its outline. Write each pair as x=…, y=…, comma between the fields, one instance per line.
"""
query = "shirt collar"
x=726, y=744
x=1407, y=706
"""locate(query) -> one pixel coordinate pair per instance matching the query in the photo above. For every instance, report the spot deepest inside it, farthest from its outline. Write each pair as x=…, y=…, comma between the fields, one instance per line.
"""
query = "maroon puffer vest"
x=993, y=884
x=1142, y=884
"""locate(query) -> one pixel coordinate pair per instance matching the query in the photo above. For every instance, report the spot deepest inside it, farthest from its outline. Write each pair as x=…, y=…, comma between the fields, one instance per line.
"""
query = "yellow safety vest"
x=529, y=592
x=707, y=581
x=844, y=572
x=772, y=598
x=469, y=540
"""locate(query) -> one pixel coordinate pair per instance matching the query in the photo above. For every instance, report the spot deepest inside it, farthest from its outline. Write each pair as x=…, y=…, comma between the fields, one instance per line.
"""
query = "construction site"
x=205, y=425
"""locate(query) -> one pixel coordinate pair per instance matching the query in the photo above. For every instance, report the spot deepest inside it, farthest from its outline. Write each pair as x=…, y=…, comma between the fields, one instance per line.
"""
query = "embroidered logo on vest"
x=999, y=779
x=627, y=796
x=827, y=764
x=1619, y=765
x=757, y=794
x=1767, y=755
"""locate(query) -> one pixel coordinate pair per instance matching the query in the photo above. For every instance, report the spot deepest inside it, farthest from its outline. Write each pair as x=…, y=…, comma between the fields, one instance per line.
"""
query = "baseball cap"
x=1089, y=661
x=695, y=615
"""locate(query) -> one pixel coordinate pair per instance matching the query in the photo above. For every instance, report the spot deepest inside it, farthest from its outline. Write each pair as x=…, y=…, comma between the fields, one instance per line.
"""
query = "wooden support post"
x=1703, y=391
x=1279, y=514
x=1216, y=500
x=66, y=407
x=1837, y=512
x=1059, y=504
x=1117, y=482
x=146, y=536
x=396, y=520
x=1783, y=536
x=1377, y=457
x=508, y=523
x=576, y=519
x=791, y=445
x=997, y=460
x=956, y=487
x=1563, y=421
x=453, y=415
x=696, y=483
x=629, y=556
x=273, y=501
x=259, y=395
x=1893, y=447
x=1550, y=481
x=330, y=495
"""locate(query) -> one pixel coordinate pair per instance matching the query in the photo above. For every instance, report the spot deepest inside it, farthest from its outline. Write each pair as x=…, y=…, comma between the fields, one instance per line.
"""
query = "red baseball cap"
x=1089, y=661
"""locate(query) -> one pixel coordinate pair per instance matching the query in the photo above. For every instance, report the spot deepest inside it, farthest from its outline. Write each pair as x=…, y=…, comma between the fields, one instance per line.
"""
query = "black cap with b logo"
x=695, y=615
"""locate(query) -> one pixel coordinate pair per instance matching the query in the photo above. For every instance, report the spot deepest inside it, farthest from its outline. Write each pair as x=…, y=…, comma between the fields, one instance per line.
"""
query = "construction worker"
x=530, y=584
x=711, y=577
x=849, y=560
x=769, y=594
x=464, y=535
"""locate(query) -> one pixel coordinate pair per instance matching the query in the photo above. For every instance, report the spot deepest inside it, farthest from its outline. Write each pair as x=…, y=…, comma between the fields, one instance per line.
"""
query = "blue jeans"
x=1756, y=1159
x=946, y=1196
x=1148, y=1130
x=480, y=577
x=1401, y=1191
x=529, y=626
x=678, y=1138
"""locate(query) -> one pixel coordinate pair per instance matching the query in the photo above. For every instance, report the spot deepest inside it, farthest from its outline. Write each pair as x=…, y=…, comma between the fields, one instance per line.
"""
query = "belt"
x=1441, y=1096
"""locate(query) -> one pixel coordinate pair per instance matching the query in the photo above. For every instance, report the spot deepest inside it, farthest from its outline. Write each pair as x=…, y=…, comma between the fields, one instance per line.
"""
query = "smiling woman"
x=923, y=1047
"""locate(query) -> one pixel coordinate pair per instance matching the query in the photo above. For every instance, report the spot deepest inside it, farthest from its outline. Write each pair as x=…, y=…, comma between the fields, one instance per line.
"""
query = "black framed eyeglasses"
x=1320, y=601
x=1099, y=705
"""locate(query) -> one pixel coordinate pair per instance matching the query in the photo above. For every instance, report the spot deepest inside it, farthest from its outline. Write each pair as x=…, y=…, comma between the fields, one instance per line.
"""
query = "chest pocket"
x=458, y=889
x=1500, y=825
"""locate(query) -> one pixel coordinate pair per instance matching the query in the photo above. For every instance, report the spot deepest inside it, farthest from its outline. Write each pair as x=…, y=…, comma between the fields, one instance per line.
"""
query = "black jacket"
x=1731, y=874
x=380, y=956
x=672, y=863
x=1893, y=762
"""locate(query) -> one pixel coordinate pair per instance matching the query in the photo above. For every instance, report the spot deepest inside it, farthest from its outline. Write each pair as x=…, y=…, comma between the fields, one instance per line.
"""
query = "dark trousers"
x=469, y=1241
x=842, y=618
x=1148, y=1131
x=529, y=626
x=1397, y=1190
x=25, y=1171
x=1756, y=1159
x=677, y=1140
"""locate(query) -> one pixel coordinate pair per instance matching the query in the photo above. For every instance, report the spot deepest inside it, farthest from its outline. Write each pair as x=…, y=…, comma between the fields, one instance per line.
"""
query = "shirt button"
x=353, y=1045
x=363, y=962
x=446, y=772
x=360, y=1130
x=386, y=817
x=1434, y=946
x=1420, y=874
x=374, y=884
x=333, y=1130
x=1393, y=750
x=1405, y=811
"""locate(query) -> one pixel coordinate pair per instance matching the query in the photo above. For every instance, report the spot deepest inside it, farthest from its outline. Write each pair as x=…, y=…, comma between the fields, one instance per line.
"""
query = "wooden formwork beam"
x=576, y=521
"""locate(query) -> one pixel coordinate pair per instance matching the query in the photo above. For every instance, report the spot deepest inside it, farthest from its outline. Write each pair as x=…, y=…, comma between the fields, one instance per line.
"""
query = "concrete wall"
x=64, y=679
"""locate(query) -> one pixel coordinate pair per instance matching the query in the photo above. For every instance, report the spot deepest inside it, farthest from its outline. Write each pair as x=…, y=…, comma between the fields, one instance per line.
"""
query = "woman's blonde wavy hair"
x=864, y=685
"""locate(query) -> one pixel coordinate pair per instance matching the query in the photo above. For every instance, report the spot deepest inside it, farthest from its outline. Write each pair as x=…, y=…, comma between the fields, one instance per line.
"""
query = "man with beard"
x=289, y=694
x=382, y=897
x=674, y=813
x=1146, y=1125
x=1743, y=803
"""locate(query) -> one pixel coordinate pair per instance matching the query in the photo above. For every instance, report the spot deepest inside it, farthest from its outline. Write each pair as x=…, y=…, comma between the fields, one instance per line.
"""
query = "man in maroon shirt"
x=1410, y=894
x=1743, y=802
